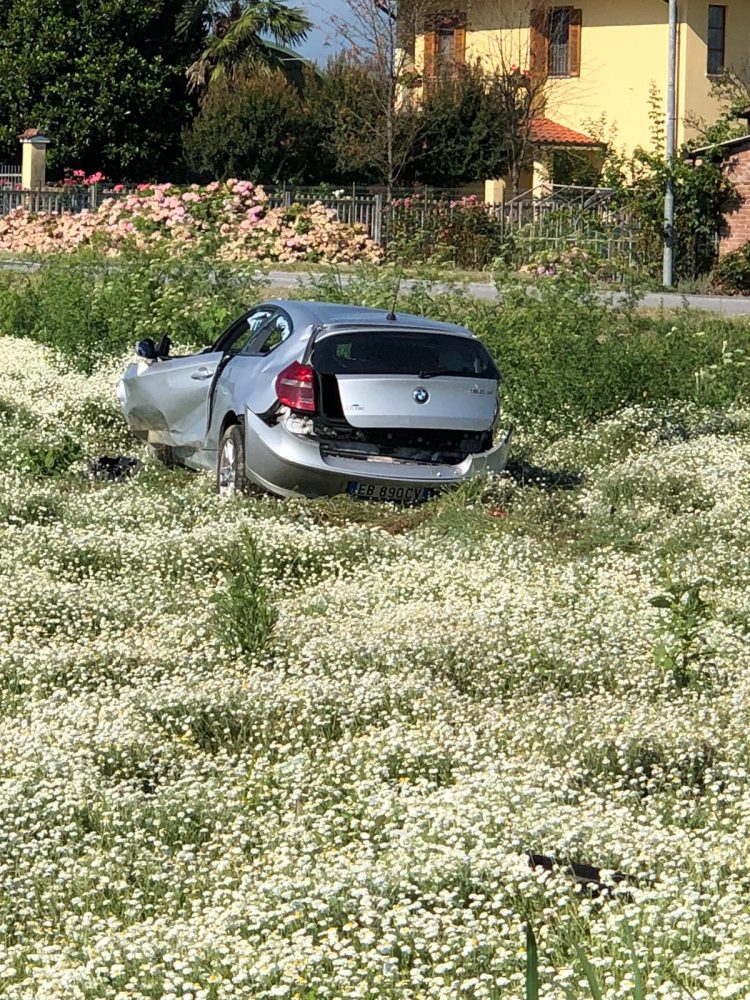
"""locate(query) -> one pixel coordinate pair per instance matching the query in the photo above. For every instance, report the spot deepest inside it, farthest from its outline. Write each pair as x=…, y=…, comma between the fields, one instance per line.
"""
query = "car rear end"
x=383, y=413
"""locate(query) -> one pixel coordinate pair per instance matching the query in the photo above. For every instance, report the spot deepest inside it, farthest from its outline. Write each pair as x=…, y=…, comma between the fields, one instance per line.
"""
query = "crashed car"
x=314, y=399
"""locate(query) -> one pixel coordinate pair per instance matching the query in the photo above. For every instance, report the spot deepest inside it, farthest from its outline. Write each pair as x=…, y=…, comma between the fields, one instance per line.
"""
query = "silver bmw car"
x=313, y=399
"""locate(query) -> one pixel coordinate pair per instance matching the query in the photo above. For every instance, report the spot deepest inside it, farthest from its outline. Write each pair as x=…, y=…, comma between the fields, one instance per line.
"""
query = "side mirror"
x=146, y=349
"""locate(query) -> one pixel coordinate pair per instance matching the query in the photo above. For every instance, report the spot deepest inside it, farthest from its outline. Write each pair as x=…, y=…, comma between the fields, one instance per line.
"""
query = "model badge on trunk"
x=421, y=395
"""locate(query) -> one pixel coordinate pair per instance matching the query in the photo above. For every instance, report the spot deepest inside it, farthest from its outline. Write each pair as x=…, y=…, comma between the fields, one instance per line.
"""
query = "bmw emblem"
x=421, y=395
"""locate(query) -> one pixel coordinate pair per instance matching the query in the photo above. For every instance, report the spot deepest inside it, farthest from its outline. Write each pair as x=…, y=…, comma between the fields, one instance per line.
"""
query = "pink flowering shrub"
x=230, y=219
x=75, y=178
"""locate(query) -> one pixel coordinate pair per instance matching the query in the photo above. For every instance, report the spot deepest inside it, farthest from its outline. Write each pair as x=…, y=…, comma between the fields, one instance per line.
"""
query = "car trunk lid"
x=443, y=402
x=406, y=379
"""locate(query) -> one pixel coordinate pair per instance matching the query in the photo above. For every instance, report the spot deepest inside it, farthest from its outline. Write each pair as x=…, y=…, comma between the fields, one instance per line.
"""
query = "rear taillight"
x=295, y=387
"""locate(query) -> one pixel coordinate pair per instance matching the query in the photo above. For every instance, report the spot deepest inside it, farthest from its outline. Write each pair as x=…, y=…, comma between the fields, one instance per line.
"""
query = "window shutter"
x=459, y=45
x=574, y=43
x=539, y=41
x=428, y=58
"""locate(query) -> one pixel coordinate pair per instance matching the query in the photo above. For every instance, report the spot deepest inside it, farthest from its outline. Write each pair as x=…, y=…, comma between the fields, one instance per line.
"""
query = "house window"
x=444, y=59
x=444, y=46
x=559, y=42
x=717, y=29
x=556, y=41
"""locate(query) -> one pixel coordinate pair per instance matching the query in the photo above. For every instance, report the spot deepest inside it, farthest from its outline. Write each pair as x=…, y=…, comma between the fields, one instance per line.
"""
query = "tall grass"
x=243, y=614
x=595, y=989
x=566, y=350
x=88, y=306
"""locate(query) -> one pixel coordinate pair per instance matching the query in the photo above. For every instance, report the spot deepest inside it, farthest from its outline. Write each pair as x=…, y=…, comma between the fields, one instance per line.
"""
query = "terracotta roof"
x=32, y=133
x=546, y=132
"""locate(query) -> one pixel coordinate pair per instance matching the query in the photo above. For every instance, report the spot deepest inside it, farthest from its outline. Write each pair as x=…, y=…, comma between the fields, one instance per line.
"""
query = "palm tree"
x=243, y=35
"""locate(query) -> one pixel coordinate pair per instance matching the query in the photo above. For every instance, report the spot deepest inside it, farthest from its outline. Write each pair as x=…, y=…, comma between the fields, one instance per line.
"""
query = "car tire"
x=163, y=453
x=230, y=463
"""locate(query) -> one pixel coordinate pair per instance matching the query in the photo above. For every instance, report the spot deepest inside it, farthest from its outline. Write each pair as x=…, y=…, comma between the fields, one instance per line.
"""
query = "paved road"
x=728, y=305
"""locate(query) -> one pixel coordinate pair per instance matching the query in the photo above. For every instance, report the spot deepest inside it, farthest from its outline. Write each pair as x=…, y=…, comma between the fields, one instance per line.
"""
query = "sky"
x=323, y=41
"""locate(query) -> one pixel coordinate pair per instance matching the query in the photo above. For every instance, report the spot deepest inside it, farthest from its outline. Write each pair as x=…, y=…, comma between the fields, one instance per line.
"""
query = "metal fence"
x=49, y=202
x=427, y=223
x=10, y=175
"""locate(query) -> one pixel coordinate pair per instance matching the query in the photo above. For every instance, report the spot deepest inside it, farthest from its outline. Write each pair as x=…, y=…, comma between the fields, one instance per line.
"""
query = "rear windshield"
x=403, y=353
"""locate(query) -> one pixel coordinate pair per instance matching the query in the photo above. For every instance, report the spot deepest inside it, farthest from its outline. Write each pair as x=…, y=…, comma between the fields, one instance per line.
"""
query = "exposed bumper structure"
x=287, y=464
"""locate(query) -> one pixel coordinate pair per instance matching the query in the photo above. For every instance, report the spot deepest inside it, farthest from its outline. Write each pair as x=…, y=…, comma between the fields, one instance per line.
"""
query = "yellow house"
x=601, y=59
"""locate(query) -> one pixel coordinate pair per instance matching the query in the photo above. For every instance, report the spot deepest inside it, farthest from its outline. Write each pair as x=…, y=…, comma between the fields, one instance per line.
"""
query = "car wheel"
x=161, y=453
x=230, y=466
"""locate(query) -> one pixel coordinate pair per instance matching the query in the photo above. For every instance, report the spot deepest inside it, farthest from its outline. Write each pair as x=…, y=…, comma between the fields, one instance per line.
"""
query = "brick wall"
x=737, y=222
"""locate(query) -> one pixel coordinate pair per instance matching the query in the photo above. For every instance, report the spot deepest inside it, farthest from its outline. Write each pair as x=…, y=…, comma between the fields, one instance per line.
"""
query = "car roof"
x=334, y=314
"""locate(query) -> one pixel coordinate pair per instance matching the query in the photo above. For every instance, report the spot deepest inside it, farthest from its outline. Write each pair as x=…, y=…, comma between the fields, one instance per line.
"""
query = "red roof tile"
x=32, y=133
x=544, y=131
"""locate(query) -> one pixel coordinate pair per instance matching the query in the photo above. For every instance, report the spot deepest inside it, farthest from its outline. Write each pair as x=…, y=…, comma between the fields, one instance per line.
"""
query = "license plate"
x=399, y=494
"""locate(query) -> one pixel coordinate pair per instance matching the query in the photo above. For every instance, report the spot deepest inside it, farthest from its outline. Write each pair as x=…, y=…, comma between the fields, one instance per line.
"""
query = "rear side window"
x=403, y=353
x=270, y=335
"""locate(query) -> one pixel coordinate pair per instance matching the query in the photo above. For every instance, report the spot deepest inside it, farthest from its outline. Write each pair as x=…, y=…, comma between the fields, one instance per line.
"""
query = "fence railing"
x=421, y=225
x=49, y=202
x=10, y=175
x=364, y=210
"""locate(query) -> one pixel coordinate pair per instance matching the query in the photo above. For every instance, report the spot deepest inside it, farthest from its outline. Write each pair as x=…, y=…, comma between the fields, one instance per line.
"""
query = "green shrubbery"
x=460, y=232
x=88, y=307
x=565, y=350
x=732, y=273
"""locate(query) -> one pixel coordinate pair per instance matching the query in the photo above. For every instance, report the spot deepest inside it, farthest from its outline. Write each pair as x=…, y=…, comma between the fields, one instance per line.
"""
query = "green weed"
x=243, y=614
x=683, y=653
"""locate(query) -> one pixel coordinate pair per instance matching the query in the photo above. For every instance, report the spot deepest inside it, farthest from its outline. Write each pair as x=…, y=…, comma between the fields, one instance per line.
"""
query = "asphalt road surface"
x=728, y=305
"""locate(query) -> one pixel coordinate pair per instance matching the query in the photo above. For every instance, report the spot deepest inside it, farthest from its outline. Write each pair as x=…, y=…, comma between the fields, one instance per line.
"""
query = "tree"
x=345, y=105
x=256, y=129
x=447, y=150
x=105, y=80
x=382, y=129
x=732, y=90
x=234, y=43
x=478, y=125
x=513, y=98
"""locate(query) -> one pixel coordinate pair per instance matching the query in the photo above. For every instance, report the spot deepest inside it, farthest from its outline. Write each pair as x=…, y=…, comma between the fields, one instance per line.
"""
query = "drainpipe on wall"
x=668, y=262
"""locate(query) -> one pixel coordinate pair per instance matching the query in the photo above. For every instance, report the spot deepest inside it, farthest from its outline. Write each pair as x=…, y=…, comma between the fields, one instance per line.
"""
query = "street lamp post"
x=668, y=262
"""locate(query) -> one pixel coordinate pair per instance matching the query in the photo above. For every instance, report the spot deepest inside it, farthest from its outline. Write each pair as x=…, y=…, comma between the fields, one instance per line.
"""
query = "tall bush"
x=88, y=310
x=255, y=129
x=702, y=194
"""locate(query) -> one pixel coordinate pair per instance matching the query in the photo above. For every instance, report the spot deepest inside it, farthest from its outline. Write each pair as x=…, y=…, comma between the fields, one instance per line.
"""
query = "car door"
x=169, y=398
x=248, y=376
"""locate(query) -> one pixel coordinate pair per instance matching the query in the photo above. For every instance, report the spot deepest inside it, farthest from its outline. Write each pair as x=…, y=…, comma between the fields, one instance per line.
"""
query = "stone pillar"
x=34, y=159
x=494, y=192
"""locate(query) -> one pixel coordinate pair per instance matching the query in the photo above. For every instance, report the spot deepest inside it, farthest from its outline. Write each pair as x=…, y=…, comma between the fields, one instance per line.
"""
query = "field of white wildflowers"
x=340, y=805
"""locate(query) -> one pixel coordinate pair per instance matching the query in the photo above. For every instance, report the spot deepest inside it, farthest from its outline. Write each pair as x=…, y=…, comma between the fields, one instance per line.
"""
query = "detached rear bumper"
x=287, y=465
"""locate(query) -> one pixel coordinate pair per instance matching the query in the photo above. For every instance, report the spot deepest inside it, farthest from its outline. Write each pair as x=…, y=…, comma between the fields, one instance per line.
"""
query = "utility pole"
x=668, y=268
